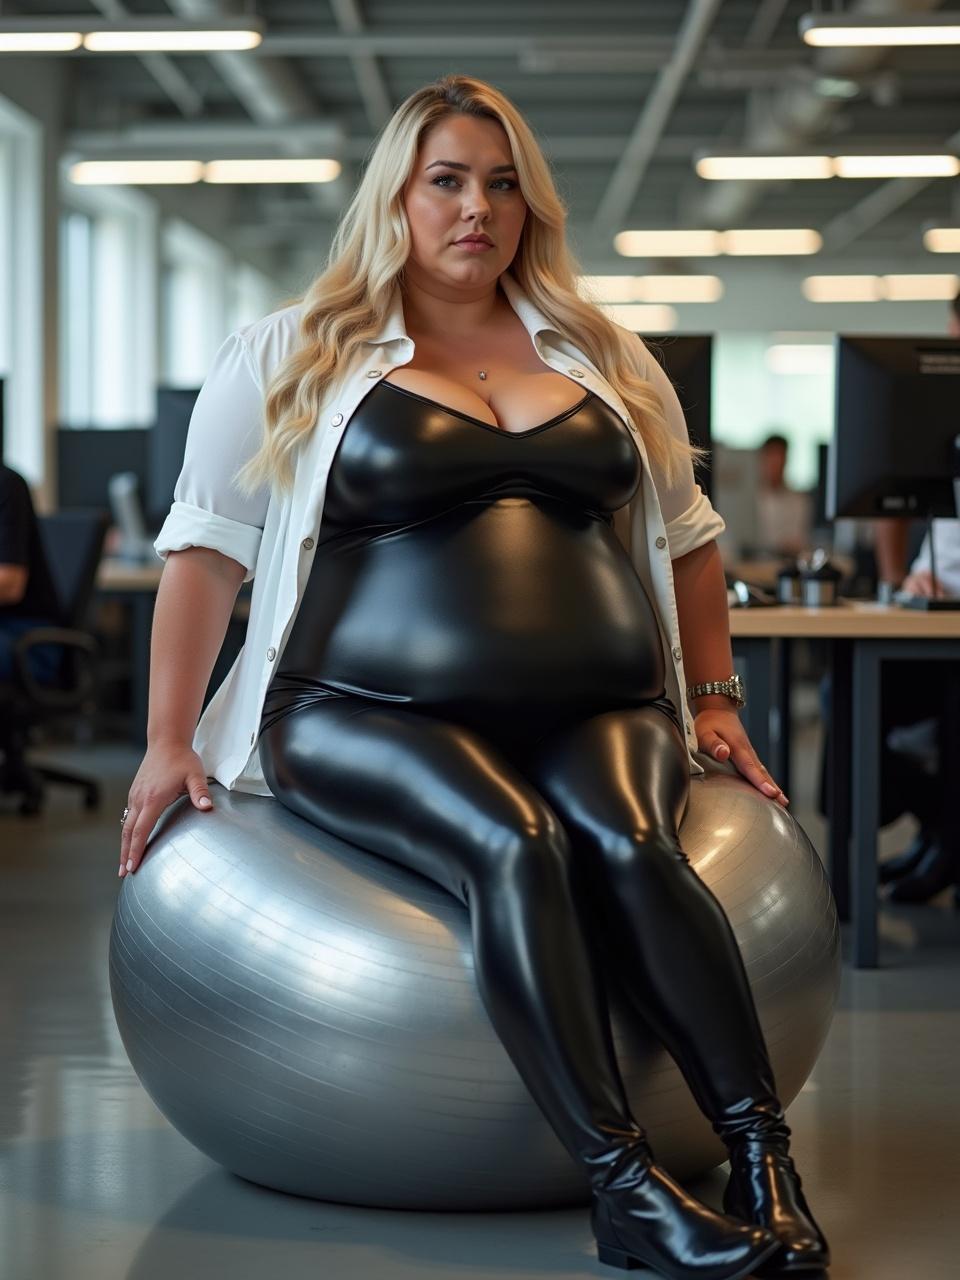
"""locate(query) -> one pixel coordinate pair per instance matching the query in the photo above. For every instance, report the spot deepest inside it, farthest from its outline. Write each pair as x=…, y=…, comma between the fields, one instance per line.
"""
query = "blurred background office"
x=773, y=205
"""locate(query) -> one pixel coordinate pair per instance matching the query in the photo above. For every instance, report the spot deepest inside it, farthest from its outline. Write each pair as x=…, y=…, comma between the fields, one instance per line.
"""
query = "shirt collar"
x=532, y=319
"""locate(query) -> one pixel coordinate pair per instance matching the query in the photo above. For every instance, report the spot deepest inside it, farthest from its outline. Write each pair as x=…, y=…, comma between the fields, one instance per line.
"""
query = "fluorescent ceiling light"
x=170, y=41
x=600, y=289
x=942, y=239
x=941, y=166
x=122, y=172
x=921, y=288
x=889, y=288
x=680, y=288
x=642, y=319
x=667, y=244
x=831, y=31
x=604, y=290
x=799, y=358
x=842, y=289
x=292, y=170
x=763, y=241
x=39, y=41
x=127, y=35
x=763, y=168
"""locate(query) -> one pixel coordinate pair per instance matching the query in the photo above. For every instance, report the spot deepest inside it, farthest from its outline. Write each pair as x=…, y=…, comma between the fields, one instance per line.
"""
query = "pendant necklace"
x=482, y=373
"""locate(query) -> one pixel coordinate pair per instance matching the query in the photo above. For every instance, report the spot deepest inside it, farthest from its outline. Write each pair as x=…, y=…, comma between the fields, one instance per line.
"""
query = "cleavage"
x=541, y=394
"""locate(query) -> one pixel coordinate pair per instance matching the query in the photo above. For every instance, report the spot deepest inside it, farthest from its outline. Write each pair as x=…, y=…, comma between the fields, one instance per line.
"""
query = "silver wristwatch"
x=732, y=687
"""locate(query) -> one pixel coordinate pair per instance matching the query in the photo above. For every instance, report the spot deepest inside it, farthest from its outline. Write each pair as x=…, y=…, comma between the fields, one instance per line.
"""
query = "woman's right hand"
x=923, y=583
x=166, y=772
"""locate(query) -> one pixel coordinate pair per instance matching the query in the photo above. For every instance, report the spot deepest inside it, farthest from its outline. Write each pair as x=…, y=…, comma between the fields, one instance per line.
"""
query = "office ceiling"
x=622, y=95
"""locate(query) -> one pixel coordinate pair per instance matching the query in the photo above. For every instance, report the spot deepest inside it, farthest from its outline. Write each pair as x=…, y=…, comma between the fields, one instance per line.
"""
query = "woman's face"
x=463, y=182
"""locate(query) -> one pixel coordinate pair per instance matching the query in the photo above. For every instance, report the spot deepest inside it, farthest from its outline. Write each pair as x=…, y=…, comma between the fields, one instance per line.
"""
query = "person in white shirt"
x=473, y=663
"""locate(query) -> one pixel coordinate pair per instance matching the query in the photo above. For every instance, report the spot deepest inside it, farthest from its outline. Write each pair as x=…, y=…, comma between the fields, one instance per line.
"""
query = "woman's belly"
x=483, y=609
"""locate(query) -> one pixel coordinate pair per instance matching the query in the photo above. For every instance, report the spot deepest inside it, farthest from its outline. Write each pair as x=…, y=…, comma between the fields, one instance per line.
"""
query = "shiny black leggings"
x=557, y=842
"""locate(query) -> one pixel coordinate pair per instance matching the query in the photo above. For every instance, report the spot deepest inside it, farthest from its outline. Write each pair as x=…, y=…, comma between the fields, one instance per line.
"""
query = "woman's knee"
x=644, y=855
x=532, y=852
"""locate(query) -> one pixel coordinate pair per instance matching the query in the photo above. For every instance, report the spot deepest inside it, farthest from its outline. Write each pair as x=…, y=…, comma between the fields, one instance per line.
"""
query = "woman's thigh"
x=619, y=779
x=431, y=794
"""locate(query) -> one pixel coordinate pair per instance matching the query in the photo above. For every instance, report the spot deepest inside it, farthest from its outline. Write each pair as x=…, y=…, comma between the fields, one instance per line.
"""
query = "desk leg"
x=866, y=796
x=837, y=799
x=755, y=653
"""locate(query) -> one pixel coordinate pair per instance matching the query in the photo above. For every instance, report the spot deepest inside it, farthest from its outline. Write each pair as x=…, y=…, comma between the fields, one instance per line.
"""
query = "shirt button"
x=677, y=653
x=336, y=420
x=271, y=653
x=374, y=373
x=307, y=543
x=577, y=373
x=661, y=542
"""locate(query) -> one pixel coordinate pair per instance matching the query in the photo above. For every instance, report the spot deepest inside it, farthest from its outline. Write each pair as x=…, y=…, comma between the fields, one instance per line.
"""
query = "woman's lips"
x=473, y=246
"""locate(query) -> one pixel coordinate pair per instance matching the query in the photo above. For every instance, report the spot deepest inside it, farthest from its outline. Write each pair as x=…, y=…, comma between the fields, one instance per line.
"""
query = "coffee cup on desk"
x=819, y=579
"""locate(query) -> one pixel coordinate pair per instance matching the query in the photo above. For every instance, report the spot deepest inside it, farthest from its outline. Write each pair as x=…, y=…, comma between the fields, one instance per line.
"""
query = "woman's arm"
x=701, y=592
x=704, y=621
x=195, y=599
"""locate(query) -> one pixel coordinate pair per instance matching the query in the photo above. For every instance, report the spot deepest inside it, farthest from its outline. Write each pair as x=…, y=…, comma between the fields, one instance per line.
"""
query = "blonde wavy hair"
x=346, y=304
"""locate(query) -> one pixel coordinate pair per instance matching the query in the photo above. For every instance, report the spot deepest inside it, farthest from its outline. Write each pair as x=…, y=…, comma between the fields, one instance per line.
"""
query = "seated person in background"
x=784, y=515
x=28, y=597
x=912, y=698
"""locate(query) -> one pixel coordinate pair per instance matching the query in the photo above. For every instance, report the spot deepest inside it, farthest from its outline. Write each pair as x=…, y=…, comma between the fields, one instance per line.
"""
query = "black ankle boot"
x=936, y=871
x=765, y=1188
x=907, y=860
x=641, y=1217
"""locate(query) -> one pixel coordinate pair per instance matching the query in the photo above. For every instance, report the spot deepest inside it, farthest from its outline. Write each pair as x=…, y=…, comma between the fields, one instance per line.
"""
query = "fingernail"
x=768, y=787
x=120, y=872
x=204, y=802
x=130, y=865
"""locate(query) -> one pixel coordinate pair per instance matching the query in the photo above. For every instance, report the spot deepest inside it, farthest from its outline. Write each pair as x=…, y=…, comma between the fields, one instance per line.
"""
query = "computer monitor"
x=687, y=359
x=168, y=439
x=895, y=449
x=736, y=475
x=896, y=438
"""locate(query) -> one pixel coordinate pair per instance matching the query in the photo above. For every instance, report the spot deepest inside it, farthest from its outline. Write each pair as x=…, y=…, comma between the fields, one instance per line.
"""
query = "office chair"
x=73, y=544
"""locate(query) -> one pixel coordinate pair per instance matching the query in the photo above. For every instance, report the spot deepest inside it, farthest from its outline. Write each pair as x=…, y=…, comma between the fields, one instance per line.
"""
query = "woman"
x=467, y=675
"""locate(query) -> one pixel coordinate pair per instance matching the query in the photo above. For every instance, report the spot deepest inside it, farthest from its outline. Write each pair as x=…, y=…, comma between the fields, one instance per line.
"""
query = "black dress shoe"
x=903, y=863
x=765, y=1188
x=641, y=1217
x=936, y=871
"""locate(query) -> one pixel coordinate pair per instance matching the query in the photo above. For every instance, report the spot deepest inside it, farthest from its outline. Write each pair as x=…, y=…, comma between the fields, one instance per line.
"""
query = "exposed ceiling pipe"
x=792, y=118
x=370, y=80
x=162, y=67
x=268, y=88
x=629, y=171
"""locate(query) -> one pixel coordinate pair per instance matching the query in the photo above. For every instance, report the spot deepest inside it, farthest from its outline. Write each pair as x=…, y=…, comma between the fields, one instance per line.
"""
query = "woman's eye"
x=444, y=176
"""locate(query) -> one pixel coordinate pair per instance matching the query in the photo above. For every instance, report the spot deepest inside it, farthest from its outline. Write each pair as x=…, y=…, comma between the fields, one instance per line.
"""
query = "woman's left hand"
x=721, y=734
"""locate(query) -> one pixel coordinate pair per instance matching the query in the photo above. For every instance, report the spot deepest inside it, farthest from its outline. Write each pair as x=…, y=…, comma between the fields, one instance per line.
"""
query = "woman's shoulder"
x=271, y=339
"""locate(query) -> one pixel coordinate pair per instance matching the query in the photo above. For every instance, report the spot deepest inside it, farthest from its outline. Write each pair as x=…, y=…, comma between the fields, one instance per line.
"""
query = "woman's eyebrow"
x=453, y=164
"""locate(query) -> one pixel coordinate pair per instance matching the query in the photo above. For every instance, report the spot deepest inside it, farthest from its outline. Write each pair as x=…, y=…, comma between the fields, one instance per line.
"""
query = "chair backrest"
x=73, y=544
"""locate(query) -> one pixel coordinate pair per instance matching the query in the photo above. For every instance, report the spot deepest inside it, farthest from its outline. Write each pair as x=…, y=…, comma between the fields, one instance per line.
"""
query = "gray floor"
x=94, y=1183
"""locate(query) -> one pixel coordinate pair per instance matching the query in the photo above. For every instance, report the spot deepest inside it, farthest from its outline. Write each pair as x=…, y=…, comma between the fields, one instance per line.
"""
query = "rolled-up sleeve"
x=225, y=431
x=688, y=514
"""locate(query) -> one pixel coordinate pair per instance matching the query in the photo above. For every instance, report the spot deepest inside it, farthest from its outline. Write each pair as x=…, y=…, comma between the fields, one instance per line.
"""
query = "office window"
x=194, y=294
x=107, y=309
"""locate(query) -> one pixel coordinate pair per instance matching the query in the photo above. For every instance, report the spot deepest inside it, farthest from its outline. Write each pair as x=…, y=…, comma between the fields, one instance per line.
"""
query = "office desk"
x=861, y=636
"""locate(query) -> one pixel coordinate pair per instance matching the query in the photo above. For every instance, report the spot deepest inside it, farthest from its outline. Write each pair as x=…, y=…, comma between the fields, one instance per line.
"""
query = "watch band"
x=732, y=687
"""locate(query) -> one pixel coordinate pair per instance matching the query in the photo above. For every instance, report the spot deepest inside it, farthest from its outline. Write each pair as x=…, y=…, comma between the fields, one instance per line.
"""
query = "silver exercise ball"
x=306, y=1013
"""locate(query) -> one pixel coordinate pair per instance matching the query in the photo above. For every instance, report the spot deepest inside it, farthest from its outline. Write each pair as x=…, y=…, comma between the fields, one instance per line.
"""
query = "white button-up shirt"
x=274, y=538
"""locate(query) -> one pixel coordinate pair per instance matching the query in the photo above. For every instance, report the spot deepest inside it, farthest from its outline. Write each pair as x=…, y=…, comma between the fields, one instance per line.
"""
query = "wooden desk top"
x=848, y=619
